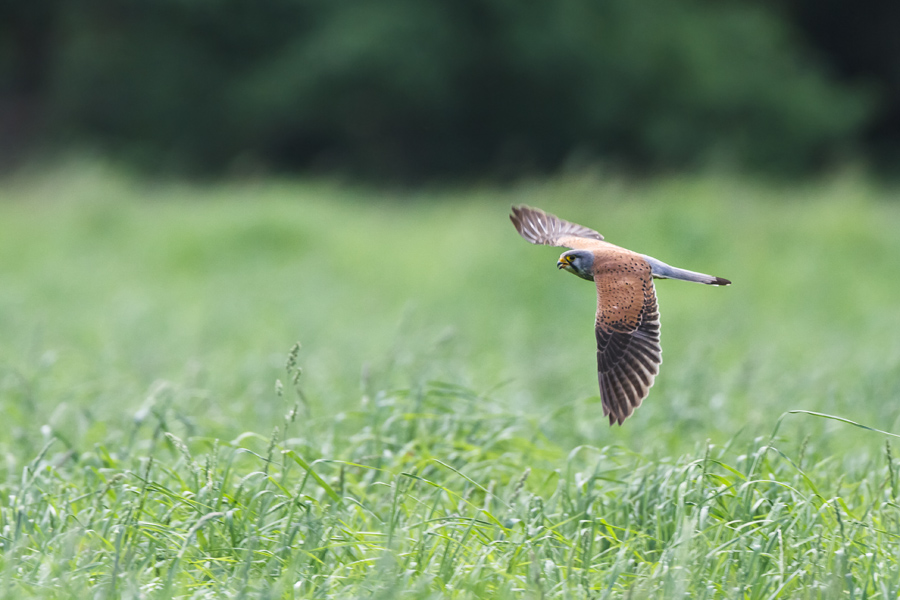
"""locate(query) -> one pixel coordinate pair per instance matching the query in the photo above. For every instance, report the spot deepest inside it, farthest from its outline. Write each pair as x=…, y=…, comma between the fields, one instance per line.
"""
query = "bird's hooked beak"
x=564, y=262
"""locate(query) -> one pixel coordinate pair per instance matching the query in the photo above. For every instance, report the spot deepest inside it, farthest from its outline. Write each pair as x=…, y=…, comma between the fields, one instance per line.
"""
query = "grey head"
x=577, y=262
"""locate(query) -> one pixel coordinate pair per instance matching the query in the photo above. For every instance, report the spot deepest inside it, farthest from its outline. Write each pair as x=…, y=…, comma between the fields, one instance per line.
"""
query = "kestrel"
x=627, y=324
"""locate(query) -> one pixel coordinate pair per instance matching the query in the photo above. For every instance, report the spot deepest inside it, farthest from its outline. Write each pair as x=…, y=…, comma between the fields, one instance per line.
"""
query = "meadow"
x=307, y=389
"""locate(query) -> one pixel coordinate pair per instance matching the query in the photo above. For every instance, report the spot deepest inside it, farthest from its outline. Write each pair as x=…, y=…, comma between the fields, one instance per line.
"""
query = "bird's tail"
x=661, y=270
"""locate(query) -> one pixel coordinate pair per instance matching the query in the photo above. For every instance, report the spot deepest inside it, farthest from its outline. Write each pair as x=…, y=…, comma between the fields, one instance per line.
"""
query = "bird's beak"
x=561, y=264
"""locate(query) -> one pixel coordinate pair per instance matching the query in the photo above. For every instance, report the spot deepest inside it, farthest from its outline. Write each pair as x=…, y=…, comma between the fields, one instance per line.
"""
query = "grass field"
x=438, y=432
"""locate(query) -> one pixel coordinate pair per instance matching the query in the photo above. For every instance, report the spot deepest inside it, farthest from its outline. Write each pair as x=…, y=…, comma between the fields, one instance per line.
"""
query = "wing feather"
x=539, y=227
x=627, y=330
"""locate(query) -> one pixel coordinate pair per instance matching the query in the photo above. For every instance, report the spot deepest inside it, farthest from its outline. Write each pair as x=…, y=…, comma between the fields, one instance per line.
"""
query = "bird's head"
x=578, y=262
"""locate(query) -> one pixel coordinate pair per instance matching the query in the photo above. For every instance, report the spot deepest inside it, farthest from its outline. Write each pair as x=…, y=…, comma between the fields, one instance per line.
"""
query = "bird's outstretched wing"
x=627, y=329
x=539, y=227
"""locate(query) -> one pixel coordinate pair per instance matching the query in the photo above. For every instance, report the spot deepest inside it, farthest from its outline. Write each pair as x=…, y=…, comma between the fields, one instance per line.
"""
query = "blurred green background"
x=404, y=90
x=112, y=284
x=378, y=147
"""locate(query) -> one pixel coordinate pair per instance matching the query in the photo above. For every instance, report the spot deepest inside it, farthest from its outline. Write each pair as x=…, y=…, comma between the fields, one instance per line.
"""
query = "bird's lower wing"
x=539, y=227
x=627, y=329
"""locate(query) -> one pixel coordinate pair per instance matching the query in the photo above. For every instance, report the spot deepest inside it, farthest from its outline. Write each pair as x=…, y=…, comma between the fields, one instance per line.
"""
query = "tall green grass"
x=439, y=433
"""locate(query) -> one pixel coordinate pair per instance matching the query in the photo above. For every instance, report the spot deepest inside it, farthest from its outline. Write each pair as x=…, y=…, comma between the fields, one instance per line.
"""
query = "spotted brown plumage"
x=627, y=321
x=627, y=331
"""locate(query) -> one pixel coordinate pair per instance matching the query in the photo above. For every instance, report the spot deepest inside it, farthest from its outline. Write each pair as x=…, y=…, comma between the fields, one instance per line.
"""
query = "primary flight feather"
x=627, y=323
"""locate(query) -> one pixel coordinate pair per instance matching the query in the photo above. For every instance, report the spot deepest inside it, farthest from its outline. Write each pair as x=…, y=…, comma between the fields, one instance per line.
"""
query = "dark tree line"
x=422, y=88
x=860, y=43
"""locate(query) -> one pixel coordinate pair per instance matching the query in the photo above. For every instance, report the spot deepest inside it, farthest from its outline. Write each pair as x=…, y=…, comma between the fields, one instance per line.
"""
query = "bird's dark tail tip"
x=721, y=281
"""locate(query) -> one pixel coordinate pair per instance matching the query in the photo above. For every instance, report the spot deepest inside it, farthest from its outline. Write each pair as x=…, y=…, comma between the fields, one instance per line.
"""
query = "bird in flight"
x=627, y=324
